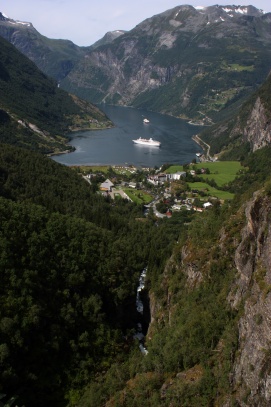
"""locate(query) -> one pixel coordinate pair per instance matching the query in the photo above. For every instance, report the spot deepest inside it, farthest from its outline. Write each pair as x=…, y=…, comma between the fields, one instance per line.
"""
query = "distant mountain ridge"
x=196, y=63
x=34, y=112
x=54, y=57
x=108, y=38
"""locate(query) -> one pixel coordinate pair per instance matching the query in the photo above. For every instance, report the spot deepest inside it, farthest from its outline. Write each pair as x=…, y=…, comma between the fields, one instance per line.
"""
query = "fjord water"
x=115, y=146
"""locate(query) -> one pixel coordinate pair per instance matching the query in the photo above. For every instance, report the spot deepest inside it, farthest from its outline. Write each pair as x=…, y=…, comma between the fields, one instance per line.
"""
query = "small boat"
x=146, y=120
x=147, y=142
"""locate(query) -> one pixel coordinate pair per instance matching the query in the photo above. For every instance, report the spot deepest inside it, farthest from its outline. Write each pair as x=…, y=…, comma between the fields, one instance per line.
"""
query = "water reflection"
x=115, y=146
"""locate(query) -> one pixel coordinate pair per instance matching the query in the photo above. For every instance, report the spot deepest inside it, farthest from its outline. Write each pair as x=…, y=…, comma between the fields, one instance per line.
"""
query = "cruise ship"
x=147, y=142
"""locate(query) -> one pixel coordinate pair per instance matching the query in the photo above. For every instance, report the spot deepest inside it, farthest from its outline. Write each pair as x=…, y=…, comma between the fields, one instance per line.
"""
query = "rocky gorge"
x=244, y=342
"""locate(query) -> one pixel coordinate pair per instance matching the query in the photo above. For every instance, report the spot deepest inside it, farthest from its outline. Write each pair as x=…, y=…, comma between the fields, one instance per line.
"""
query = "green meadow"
x=222, y=172
x=94, y=168
x=210, y=191
x=138, y=196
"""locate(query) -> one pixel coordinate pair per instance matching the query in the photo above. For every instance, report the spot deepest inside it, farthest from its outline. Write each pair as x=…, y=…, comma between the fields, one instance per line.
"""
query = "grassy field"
x=222, y=172
x=174, y=168
x=94, y=168
x=104, y=169
x=211, y=191
x=138, y=196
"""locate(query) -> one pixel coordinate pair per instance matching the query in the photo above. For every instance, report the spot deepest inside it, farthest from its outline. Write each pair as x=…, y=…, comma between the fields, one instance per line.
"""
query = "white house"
x=176, y=176
x=106, y=186
x=207, y=205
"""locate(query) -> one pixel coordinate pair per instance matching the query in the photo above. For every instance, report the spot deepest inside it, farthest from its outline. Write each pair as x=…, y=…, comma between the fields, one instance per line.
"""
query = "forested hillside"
x=34, y=112
x=52, y=56
x=70, y=263
x=70, y=260
x=208, y=342
x=247, y=130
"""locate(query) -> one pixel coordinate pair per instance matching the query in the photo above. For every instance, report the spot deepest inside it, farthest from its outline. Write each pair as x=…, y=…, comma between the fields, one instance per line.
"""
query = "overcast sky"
x=86, y=21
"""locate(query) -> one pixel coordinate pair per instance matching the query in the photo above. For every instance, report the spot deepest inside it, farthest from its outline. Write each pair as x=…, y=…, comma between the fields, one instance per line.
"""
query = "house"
x=152, y=179
x=176, y=207
x=157, y=179
x=176, y=176
x=162, y=178
x=197, y=209
x=106, y=186
x=132, y=185
x=91, y=175
x=207, y=205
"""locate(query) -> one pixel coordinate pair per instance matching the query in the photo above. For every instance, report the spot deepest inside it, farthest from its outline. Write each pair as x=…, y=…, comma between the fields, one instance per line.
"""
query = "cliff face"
x=244, y=245
x=190, y=62
x=258, y=128
x=251, y=372
x=180, y=62
x=250, y=127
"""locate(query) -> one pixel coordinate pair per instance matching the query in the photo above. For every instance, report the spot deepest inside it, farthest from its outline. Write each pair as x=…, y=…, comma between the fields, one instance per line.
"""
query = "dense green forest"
x=70, y=263
x=193, y=342
x=34, y=112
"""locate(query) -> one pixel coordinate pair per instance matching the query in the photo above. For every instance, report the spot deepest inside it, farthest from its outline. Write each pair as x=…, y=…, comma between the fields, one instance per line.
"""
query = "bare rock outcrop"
x=258, y=128
x=251, y=374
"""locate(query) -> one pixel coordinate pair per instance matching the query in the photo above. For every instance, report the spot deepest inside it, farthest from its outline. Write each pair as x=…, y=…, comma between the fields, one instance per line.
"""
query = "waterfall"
x=140, y=308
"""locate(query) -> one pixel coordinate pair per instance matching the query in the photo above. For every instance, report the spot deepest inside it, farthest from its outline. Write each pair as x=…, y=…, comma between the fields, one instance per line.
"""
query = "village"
x=168, y=189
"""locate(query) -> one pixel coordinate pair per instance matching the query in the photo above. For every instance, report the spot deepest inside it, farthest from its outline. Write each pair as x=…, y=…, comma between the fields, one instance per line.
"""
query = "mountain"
x=199, y=64
x=70, y=263
x=35, y=112
x=108, y=38
x=247, y=130
x=196, y=63
x=56, y=58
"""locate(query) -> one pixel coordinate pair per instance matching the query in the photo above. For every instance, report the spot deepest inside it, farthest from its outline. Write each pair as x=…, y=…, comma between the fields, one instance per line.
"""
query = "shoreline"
x=73, y=149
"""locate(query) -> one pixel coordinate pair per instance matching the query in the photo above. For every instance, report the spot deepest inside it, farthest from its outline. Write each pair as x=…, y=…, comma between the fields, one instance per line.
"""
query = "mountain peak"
x=4, y=17
x=232, y=10
x=245, y=10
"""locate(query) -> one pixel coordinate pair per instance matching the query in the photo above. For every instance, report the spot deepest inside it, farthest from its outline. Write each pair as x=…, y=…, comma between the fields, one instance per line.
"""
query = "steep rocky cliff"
x=251, y=372
x=258, y=127
x=189, y=62
x=239, y=358
x=247, y=130
x=197, y=63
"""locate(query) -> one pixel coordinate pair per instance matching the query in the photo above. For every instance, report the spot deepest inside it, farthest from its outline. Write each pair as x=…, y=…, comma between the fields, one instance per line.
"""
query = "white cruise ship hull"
x=147, y=142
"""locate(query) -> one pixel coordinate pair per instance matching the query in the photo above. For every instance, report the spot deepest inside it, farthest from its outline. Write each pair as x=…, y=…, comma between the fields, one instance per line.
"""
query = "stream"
x=142, y=312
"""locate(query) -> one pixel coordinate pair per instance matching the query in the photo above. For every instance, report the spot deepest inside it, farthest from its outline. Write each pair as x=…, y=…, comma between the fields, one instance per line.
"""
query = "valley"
x=188, y=187
x=187, y=224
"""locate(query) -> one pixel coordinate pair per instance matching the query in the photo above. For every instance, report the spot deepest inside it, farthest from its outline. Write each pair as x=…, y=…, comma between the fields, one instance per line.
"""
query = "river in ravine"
x=115, y=146
x=143, y=313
